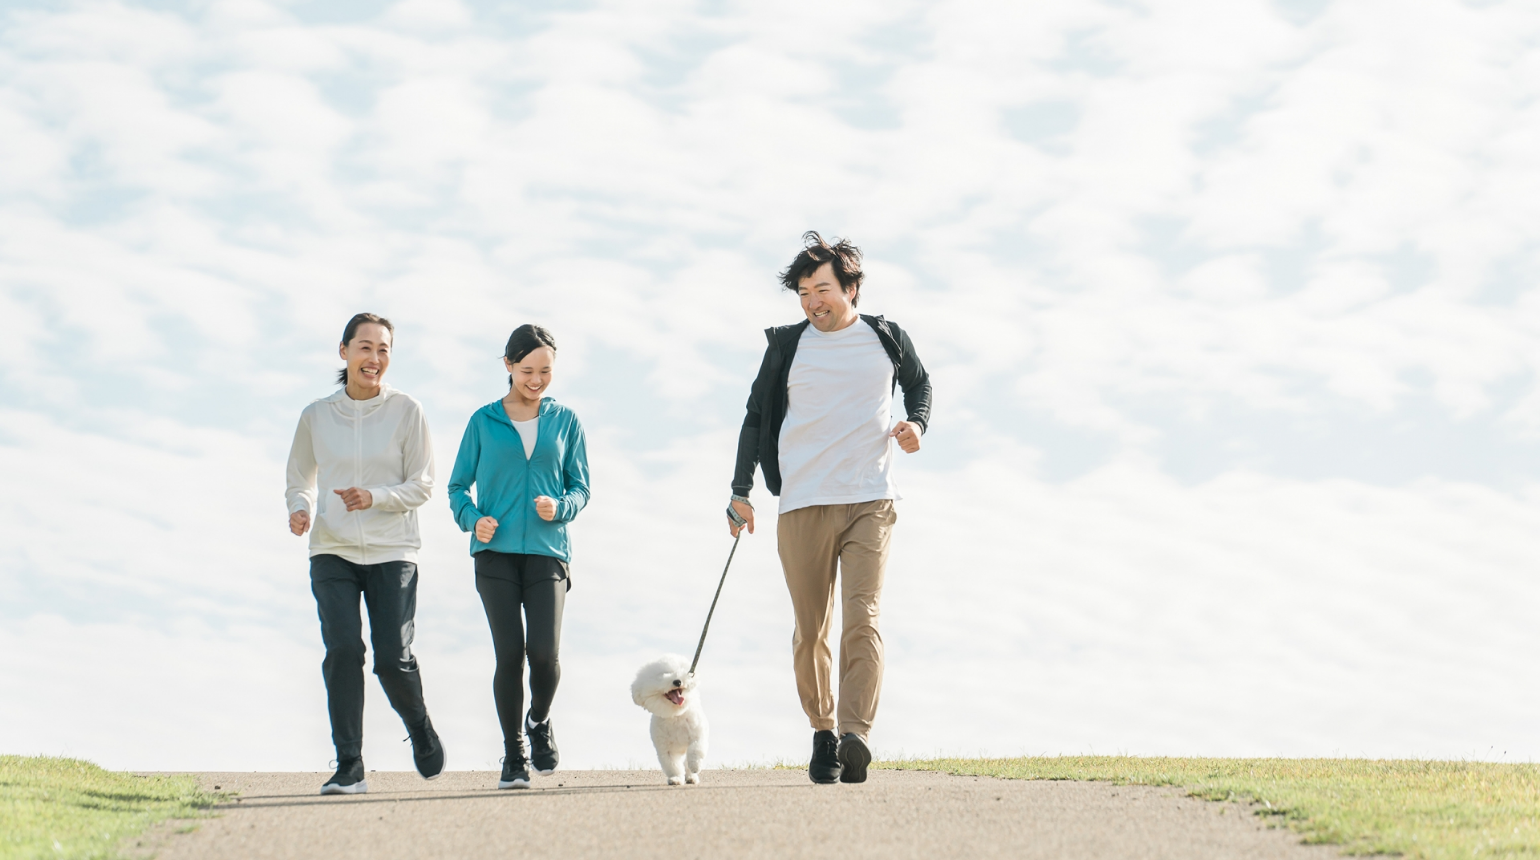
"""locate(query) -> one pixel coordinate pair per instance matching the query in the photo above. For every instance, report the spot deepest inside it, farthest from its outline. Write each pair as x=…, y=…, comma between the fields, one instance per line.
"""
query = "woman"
x=528, y=460
x=365, y=455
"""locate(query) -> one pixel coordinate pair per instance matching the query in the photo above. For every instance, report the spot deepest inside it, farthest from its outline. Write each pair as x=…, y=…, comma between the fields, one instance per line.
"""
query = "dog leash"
x=713, y=609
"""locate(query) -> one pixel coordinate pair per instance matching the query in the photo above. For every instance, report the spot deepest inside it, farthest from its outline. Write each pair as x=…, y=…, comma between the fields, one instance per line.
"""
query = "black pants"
x=389, y=590
x=538, y=584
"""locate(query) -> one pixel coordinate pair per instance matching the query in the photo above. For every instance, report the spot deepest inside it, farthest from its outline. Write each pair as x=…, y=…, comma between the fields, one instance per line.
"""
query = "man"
x=819, y=425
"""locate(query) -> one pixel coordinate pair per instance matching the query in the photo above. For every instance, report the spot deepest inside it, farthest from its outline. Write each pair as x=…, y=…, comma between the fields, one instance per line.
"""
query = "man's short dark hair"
x=845, y=257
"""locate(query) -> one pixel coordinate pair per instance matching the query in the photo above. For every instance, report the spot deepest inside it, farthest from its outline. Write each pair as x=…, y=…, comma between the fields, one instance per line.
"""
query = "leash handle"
x=712, y=611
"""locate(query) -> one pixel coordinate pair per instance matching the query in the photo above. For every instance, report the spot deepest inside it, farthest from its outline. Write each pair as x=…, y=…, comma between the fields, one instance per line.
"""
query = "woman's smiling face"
x=532, y=373
x=368, y=357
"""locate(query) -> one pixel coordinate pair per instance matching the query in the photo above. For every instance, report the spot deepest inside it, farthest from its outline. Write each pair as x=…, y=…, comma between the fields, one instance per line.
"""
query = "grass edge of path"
x=1422, y=809
x=69, y=808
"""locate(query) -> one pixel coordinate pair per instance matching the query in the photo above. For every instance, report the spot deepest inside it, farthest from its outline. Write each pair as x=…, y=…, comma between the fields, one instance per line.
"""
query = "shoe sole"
x=515, y=783
x=360, y=787
x=854, y=757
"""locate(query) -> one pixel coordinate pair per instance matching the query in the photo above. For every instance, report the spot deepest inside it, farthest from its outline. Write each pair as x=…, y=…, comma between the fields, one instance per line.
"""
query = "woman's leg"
x=500, y=597
x=543, y=604
x=336, y=584
x=390, y=593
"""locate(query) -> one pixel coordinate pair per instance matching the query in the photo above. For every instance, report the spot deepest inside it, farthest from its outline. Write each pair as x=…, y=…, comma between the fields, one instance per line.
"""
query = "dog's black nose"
x=678, y=683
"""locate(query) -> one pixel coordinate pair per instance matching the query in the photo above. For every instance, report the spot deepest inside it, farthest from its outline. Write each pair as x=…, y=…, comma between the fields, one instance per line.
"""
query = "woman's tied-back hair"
x=526, y=339
x=352, y=330
x=845, y=257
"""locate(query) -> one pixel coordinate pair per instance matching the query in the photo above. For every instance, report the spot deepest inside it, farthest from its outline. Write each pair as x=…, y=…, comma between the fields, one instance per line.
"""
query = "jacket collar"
x=341, y=400
x=785, y=336
x=496, y=412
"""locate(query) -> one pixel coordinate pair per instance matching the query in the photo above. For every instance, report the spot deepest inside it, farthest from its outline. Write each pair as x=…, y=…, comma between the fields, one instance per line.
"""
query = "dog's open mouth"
x=675, y=696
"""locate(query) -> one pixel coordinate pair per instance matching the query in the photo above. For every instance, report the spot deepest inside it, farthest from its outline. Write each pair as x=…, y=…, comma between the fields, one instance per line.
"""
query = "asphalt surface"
x=733, y=813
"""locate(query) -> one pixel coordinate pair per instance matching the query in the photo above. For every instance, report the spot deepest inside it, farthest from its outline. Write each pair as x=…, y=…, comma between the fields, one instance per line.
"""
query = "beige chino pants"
x=814, y=542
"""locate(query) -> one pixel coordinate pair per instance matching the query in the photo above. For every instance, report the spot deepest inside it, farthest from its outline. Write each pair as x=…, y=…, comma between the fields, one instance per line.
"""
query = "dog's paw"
x=693, y=778
x=675, y=780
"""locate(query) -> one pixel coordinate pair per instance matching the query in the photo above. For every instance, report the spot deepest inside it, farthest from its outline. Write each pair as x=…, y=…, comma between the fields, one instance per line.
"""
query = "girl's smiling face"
x=532, y=373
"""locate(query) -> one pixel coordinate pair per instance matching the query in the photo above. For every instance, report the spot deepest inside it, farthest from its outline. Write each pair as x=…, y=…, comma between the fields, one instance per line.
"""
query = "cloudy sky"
x=1230, y=311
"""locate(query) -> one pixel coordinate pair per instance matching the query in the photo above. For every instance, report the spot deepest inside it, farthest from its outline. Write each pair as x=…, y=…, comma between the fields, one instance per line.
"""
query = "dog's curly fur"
x=666, y=688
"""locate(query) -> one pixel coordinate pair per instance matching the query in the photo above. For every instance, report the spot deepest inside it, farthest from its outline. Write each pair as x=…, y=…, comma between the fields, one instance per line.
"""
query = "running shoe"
x=349, y=778
x=515, y=766
x=854, y=757
x=427, y=751
x=824, y=768
x=542, y=746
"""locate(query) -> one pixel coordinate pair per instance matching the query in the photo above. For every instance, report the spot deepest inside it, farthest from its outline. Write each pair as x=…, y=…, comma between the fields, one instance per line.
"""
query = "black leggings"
x=538, y=584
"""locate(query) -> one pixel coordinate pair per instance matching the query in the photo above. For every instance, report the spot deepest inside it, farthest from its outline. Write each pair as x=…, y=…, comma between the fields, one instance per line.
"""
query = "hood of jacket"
x=496, y=412
x=340, y=400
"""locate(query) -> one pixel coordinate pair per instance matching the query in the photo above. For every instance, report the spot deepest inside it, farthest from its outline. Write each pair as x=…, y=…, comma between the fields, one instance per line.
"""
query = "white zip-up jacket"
x=382, y=445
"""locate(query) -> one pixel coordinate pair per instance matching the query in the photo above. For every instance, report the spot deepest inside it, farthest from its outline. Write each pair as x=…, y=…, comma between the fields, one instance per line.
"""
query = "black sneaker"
x=427, y=751
x=515, y=768
x=824, y=768
x=349, y=778
x=542, y=746
x=854, y=757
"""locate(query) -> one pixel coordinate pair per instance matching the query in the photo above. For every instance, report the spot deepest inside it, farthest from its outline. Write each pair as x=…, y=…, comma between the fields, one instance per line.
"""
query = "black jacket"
x=760, y=439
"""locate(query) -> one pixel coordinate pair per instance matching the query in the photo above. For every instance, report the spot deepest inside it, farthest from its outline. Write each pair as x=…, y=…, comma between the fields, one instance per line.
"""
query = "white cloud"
x=1097, y=222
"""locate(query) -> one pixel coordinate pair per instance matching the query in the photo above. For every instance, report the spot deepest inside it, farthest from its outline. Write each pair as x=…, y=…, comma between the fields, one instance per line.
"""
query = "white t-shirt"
x=528, y=431
x=834, y=442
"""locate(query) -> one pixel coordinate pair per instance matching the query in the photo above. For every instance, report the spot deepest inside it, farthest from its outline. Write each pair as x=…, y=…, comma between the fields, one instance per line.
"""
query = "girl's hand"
x=356, y=499
x=299, y=522
x=486, y=527
x=545, y=506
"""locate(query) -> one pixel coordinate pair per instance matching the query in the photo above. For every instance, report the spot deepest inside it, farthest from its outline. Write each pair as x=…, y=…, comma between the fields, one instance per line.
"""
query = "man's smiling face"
x=827, y=305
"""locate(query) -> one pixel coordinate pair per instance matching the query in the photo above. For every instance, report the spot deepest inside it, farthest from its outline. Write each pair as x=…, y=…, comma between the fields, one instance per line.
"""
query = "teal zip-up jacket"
x=492, y=458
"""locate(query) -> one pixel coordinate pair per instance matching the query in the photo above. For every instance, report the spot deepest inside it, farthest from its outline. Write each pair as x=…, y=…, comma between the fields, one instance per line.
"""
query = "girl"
x=364, y=457
x=528, y=460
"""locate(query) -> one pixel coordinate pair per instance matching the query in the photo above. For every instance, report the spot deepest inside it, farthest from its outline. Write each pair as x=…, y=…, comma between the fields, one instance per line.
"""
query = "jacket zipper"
x=358, y=449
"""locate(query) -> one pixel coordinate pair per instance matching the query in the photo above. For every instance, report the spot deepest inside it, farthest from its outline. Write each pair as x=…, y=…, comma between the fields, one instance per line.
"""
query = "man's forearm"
x=748, y=459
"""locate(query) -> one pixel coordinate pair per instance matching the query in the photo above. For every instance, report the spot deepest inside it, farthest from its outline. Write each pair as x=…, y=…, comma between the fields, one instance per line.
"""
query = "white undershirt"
x=528, y=431
x=834, y=445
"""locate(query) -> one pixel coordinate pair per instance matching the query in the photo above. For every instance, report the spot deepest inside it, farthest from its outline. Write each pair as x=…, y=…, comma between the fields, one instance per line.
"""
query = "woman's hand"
x=747, y=513
x=356, y=499
x=545, y=506
x=486, y=527
x=299, y=522
x=908, y=436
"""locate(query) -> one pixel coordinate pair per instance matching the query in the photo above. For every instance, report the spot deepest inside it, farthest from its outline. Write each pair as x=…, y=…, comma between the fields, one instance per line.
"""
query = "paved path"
x=734, y=813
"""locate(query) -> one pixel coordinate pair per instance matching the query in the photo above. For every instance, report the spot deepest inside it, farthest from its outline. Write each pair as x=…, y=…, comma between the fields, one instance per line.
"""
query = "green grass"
x=61, y=807
x=1424, y=809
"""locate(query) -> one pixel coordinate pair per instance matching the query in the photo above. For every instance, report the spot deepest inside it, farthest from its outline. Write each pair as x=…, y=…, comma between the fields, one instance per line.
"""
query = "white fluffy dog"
x=679, y=730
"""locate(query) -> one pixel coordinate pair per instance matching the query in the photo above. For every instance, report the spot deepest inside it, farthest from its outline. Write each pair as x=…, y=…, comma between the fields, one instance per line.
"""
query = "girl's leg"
x=500, y=598
x=543, y=603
